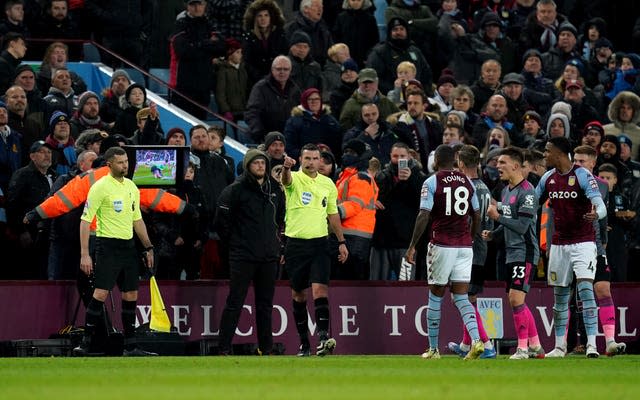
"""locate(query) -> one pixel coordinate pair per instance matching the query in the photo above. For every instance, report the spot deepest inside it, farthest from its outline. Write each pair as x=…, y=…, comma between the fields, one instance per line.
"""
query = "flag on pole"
x=159, y=318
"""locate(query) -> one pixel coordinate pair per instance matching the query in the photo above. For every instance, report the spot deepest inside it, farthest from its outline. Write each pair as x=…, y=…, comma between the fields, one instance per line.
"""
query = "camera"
x=403, y=163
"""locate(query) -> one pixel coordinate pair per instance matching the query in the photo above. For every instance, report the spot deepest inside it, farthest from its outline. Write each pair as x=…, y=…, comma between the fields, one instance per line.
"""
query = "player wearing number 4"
x=576, y=202
x=517, y=213
x=448, y=200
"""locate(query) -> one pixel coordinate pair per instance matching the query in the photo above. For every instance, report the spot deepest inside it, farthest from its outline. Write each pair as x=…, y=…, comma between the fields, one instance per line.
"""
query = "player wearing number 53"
x=448, y=199
x=517, y=215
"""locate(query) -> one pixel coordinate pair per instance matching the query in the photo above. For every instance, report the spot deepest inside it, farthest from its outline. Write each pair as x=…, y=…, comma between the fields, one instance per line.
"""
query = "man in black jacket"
x=398, y=201
x=249, y=217
x=194, y=47
x=14, y=50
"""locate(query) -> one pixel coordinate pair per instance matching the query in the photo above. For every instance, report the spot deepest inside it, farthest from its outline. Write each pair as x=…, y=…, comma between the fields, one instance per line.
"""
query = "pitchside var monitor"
x=157, y=166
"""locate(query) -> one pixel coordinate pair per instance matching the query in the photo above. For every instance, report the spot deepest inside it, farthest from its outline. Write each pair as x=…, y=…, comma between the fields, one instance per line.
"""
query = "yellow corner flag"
x=159, y=318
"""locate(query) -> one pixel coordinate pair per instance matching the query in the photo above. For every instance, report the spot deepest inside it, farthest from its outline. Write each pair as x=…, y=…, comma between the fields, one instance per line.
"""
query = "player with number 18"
x=448, y=200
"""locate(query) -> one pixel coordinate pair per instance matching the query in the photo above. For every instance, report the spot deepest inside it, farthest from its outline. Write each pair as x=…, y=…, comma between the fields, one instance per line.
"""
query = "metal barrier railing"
x=76, y=47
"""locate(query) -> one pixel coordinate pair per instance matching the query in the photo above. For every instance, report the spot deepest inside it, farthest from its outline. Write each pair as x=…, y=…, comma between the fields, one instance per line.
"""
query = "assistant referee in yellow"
x=311, y=202
x=115, y=203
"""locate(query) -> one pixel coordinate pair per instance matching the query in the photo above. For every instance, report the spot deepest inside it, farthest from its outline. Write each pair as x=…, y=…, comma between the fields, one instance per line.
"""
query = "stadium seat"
x=90, y=53
x=157, y=88
x=136, y=76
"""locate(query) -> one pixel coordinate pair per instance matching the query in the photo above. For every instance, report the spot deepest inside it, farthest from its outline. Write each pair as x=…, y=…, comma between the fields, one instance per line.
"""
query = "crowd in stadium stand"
x=491, y=73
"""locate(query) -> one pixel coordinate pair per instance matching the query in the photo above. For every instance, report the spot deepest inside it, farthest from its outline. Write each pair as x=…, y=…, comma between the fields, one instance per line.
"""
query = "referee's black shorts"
x=307, y=261
x=117, y=261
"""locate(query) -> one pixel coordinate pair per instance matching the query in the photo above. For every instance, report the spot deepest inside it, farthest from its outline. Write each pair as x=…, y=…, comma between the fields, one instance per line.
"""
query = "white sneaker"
x=477, y=348
x=432, y=354
x=592, y=352
x=614, y=348
x=520, y=354
x=558, y=352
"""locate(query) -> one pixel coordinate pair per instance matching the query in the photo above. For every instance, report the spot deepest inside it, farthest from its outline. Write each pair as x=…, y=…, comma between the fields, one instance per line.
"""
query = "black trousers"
x=263, y=276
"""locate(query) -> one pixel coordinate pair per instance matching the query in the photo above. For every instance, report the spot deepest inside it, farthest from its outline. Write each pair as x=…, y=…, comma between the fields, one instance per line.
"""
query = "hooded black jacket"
x=249, y=218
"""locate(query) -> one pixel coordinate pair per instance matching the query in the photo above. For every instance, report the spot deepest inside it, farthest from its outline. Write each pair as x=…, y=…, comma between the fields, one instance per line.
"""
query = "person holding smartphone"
x=399, y=185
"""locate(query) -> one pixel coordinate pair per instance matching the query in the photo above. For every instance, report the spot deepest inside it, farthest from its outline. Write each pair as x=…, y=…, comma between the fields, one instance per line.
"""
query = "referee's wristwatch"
x=344, y=242
x=148, y=249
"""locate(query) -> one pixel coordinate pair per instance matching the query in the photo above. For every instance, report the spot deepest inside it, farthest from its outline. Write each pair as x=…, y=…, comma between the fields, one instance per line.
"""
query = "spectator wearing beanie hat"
x=88, y=115
x=25, y=77
x=555, y=59
x=176, y=137
x=311, y=122
x=593, y=134
x=348, y=84
x=273, y=146
x=535, y=78
x=610, y=150
x=532, y=129
x=64, y=156
x=232, y=90
x=134, y=99
x=491, y=35
x=399, y=47
x=626, y=148
x=305, y=71
x=110, y=108
x=309, y=20
x=442, y=94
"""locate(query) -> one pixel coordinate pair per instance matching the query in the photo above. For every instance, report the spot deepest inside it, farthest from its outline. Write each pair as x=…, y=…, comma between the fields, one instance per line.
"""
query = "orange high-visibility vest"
x=75, y=192
x=357, y=195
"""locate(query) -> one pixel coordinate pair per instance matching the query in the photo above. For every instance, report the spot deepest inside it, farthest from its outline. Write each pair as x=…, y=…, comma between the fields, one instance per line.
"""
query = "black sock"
x=94, y=313
x=302, y=321
x=129, y=323
x=322, y=316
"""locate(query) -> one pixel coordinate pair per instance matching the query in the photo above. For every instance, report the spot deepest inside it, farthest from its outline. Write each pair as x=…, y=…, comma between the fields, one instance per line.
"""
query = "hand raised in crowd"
x=153, y=110
x=372, y=129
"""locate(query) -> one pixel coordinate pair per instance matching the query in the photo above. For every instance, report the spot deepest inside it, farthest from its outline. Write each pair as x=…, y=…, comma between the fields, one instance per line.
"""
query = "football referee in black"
x=114, y=201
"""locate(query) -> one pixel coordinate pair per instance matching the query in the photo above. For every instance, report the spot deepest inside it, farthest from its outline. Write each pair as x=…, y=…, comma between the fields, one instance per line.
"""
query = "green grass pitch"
x=143, y=176
x=332, y=377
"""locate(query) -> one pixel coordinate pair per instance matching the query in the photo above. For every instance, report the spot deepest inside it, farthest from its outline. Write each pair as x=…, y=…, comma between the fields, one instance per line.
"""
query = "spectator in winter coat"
x=110, y=107
x=271, y=100
x=309, y=20
x=232, y=89
x=348, y=84
x=357, y=28
x=311, y=122
x=263, y=38
x=624, y=113
x=14, y=51
x=305, y=71
x=398, y=47
x=398, y=203
x=195, y=45
x=134, y=99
